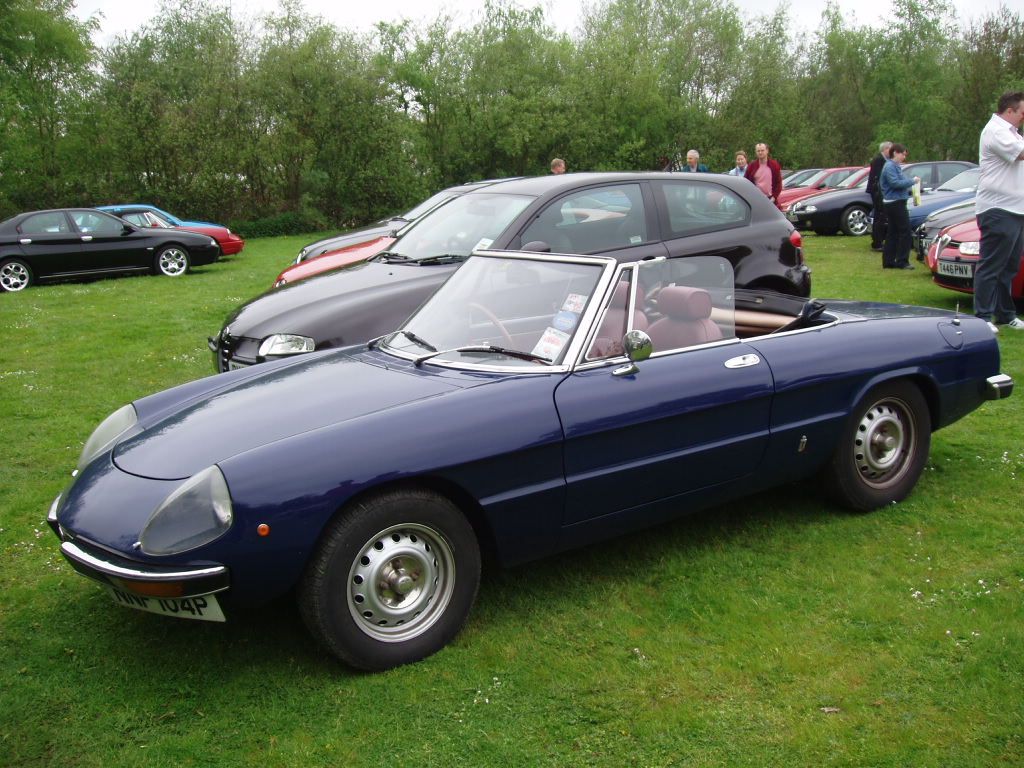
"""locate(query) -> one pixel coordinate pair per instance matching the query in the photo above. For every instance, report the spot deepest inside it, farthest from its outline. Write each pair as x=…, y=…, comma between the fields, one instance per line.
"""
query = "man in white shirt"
x=999, y=206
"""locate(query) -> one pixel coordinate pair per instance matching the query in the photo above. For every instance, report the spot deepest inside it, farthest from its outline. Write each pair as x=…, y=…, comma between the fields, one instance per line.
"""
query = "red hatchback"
x=953, y=256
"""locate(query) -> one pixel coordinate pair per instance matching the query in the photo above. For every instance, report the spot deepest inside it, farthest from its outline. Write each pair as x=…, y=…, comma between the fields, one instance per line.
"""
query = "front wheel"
x=15, y=275
x=883, y=448
x=172, y=261
x=855, y=221
x=392, y=580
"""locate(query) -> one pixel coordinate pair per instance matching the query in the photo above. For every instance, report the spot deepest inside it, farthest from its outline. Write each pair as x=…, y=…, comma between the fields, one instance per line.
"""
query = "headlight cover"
x=111, y=428
x=286, y=344
x=970, y=248
x=198, y=512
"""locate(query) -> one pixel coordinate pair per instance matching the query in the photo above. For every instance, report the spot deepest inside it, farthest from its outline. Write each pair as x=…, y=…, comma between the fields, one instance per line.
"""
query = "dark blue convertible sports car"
x=535, y=403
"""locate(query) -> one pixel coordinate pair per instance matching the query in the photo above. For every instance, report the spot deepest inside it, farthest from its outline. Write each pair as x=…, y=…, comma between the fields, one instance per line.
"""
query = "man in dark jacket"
x=879, y=221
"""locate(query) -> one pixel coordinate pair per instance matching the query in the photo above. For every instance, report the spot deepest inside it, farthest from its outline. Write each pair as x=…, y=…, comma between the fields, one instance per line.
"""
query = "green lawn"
x=776, y=632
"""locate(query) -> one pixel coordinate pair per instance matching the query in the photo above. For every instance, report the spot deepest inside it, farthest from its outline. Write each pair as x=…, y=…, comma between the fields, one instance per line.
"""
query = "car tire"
x=883, y=448
x=172, y=261
x=392, y=579
x=15, y=275
x=854, y=221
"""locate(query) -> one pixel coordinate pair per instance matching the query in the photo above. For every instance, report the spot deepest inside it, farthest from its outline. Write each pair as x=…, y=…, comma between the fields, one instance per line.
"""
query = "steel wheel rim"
x=173, y=262
x=14, y=277
x=884, y=442
x=401, y=582
x=857, y=221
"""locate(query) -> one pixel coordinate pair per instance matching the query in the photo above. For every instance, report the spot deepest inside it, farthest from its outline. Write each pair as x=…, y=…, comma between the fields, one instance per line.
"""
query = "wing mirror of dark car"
x=537, y=246
x=127, y=229
x=638, y=347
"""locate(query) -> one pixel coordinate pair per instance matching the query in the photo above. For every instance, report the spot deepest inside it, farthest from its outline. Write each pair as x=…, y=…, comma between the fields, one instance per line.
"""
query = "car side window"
x=45, y=224
x=926, y=172
x=96, y=223
x=948, y=171
x=697, y=208
x=592, y=220
x=138, y=219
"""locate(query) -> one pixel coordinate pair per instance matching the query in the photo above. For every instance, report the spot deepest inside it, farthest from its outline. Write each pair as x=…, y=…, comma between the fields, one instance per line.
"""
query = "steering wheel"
x=493, y=318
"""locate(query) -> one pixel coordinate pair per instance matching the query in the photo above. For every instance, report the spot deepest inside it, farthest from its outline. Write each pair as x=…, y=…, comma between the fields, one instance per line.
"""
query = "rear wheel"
x=15, y=275
x=172, y=261
x=392, y=579
x=883, y=448
x=855, y=221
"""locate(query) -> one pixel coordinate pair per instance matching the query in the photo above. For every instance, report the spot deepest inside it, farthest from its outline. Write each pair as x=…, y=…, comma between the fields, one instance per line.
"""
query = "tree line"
x=297, y=123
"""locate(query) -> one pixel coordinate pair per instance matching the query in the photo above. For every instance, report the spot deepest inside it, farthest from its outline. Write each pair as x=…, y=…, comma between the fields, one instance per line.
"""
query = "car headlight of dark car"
x=286, y=344
x=106, y=434
x=198, y=512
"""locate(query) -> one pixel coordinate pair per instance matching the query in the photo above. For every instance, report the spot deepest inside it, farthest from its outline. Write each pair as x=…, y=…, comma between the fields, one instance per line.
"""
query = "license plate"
x=201, y=608
x=955, y=268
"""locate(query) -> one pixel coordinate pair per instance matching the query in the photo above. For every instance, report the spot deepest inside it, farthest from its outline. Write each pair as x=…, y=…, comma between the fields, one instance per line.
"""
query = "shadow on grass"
x=155, y=652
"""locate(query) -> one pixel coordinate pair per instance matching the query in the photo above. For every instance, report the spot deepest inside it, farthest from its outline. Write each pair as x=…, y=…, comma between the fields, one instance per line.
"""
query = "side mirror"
x=537, y=246
x=127, y=229
x=637, y=346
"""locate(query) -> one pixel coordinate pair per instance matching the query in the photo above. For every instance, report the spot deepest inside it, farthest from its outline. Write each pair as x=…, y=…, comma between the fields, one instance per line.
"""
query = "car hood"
x=356, y=236
x=183, y=431
x=333, y=259
x=321, y=299
x=835, y=197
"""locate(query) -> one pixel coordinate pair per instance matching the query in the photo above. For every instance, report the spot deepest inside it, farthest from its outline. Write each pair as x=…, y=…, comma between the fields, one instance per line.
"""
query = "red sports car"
x=822, y=181
x=140, y=216
x=332, y=260
x=954, y=254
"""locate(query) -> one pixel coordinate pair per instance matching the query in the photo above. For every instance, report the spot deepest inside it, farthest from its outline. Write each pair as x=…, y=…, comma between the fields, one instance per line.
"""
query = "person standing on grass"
x=896, y=187
x=765, y=173
x=999, y=206
x=874, y=189
x=741, y=165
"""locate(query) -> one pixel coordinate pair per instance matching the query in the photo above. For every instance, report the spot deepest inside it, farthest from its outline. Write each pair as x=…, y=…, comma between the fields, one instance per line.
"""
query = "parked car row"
x=64, y=243
x=846, y=209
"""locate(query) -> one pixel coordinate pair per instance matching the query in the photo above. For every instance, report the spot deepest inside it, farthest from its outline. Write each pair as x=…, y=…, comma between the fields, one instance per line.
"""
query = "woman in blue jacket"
x=896, y=188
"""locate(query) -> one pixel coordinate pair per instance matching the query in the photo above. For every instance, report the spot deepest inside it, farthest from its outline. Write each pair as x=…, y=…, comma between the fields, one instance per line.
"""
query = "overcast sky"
x=121, y=16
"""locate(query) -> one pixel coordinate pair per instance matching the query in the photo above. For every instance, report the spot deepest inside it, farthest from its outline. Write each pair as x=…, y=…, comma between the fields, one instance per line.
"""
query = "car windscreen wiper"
x=391, y=257
x=490, y=349
x=442, y=258
x=387, y=337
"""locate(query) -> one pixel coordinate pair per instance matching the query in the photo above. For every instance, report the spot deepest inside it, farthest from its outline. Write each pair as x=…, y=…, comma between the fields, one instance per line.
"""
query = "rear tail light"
x=797, y=241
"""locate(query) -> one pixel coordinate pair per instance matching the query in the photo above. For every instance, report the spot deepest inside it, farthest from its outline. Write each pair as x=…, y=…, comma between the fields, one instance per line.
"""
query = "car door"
x=687, y=419
x=50, y=243
x=110, y=244
x=612, y=219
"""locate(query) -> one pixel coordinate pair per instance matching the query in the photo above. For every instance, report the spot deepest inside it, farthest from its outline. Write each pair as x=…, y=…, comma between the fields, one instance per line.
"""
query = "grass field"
x=776, y=632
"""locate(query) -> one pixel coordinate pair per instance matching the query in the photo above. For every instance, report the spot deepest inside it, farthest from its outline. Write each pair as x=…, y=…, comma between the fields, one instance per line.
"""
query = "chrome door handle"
x=743, y=361
x=86, y=238
x=25, y=240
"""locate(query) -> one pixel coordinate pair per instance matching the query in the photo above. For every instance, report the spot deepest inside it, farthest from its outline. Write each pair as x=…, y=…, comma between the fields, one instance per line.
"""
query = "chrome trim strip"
x=100, y=569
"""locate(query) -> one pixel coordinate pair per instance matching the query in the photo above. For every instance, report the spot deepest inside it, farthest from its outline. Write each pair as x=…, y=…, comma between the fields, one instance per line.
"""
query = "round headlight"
x=106, y=434
x=198, y=512
x=286, y=344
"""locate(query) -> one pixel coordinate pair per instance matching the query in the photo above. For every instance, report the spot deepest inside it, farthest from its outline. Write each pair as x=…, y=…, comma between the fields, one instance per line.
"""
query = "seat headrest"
x=682, y=302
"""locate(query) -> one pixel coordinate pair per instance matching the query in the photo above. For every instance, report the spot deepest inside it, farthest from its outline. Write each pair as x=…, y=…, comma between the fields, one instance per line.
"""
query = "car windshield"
x=459, y=227
x=426, y=205
x=967, y=181
x=504, y=311
x=796, y=178
x=811, y=180
x=853, y=181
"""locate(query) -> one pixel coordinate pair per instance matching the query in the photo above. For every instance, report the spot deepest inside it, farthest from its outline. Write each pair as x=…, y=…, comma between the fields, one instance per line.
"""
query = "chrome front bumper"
x=118, y=572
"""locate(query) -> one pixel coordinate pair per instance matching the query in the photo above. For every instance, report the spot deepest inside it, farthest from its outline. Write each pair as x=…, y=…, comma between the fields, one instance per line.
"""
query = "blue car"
x=961, y=188
x=121, y=208
x=535, y=403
